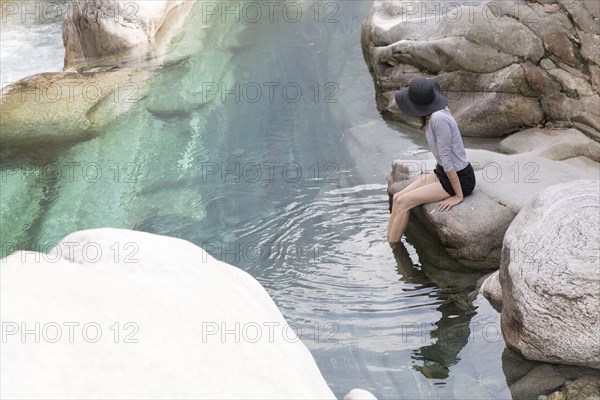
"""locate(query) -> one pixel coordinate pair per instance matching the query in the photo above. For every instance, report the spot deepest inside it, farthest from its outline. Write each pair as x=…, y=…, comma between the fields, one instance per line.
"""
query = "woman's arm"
x=451, y=201
x=453, y=178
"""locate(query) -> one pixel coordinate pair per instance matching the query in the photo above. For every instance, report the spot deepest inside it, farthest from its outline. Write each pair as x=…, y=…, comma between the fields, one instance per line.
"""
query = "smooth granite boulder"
x=44, y=114
x=550, y=277
x=97, y=31
x=54, y=109
x=126, y=314
x=555, y=144
x=504, y=65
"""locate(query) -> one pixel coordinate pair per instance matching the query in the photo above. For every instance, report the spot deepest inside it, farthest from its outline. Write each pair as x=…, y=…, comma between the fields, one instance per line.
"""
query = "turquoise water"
x=286, y=181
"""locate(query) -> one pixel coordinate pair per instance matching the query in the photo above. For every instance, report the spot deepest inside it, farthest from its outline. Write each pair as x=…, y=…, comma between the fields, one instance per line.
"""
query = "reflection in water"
x=451, y=333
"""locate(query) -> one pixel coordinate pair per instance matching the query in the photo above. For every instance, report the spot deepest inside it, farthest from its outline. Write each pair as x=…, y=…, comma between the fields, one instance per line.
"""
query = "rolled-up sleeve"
x=443, y=135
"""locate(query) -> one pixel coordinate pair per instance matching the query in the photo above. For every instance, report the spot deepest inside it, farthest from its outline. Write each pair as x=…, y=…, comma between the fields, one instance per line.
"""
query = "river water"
x=283, y=175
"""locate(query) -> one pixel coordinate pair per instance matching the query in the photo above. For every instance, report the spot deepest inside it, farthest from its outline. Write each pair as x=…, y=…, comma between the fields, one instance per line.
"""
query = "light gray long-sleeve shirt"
x=445, y=141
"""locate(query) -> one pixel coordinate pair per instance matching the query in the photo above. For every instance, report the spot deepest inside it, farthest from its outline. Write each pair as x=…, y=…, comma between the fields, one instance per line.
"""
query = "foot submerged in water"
x=393, y=245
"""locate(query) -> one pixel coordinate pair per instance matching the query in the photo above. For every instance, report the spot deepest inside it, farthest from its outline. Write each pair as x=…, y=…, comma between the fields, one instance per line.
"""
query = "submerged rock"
x=550, y=277
x=131, y=314
x=540, y=380
x=57, y=109
x=583, y=388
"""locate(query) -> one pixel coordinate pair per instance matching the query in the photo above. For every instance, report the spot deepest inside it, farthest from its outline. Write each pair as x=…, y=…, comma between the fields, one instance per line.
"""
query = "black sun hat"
x=423, y=96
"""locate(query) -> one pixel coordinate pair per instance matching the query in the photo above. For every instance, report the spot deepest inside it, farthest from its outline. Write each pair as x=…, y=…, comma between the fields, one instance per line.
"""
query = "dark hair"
x=424, y=121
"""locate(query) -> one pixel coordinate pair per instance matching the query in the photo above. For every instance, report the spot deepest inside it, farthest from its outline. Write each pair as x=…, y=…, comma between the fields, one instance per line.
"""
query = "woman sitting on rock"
x=453, y=177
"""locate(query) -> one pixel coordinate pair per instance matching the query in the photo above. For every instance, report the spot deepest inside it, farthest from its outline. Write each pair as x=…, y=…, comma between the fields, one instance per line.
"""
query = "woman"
x=453, y=178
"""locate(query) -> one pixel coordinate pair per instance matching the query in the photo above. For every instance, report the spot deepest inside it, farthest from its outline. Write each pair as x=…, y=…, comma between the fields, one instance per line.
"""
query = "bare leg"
x=422, y=181
x=403, y=204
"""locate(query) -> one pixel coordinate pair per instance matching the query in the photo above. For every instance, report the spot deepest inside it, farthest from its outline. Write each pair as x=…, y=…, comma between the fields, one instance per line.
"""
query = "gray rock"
x=515, y=366
x=572, y=83
x=550, y=278
x=573, y=372
x=553, y=28
x=547, y=64
x=583, y=388
x=540, y=80
x=539, y=381
x=491, y=288
x=493, y=114
x=506, y=80
x=595, y=76
x=555, y=144
x=474, y=51
x=585, y=14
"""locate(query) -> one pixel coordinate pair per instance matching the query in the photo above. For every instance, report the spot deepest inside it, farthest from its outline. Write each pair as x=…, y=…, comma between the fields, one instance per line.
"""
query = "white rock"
x=177, y=300
x=550, y=277
x=359, y=394
x=98, y=28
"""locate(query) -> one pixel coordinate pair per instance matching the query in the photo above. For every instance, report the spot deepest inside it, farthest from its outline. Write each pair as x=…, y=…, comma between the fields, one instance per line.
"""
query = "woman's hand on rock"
x=447, y=204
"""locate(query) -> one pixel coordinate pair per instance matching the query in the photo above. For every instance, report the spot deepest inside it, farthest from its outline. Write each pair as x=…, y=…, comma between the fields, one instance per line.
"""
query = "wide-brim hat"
x=423, y=96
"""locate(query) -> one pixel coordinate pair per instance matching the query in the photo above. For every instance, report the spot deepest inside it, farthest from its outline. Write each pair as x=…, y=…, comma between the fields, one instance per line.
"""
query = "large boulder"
x=97, y=30
x=504, y=65
x=471, y=233
x=45, y=113
x=550, y=277
x=555, y=144
x=121, y=313
x=60, y=108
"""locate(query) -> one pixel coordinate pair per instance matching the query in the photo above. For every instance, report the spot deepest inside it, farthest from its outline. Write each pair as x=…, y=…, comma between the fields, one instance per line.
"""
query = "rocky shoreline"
x=504, y=65
x=529, y=70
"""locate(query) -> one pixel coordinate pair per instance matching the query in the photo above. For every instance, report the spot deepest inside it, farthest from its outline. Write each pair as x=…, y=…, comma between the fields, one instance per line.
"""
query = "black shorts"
x=466, y=176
